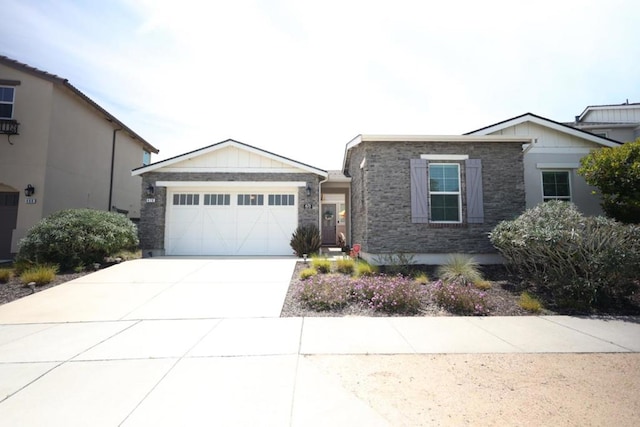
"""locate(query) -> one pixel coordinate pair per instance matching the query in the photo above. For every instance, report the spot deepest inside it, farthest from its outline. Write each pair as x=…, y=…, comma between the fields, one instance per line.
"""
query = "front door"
x=8, y=221
x=329, y=224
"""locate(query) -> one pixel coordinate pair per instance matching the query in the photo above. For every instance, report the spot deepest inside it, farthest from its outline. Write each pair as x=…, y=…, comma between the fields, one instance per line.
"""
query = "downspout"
x=320, y=204
x=113, y=158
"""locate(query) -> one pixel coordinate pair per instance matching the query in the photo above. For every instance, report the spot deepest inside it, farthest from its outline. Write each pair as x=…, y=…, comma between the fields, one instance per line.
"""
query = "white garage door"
x=241, y=222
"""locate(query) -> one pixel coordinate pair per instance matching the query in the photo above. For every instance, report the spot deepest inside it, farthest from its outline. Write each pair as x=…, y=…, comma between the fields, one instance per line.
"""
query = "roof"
x=64, y=82
x=223, y=144
x=623, y=106
x=543, y=121
x=428, y=138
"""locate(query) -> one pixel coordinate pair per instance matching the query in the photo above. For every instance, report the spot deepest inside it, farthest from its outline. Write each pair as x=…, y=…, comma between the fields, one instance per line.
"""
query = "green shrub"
x=460, y=268
x=306, y=240
x=345, y=265
x=323, y=265
x=41, y=274
x=459, y=298
x=483, y=285
x=5, y=275
x=363, y=268
x=583, y=262
x=529, y=303
x=421, y=278
x=325, y=292
x=75, y=237
x=308, y=272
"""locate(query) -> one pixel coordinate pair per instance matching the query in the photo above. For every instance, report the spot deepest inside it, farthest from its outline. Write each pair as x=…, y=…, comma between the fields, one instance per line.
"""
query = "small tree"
x=616, y=173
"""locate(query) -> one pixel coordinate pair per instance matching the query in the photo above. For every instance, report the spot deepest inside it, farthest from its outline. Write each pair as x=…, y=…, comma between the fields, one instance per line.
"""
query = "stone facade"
x=153, y=214
x=381, y=196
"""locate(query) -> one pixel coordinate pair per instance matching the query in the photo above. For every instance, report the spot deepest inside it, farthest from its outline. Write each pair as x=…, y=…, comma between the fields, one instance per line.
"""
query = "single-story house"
x=424, y=195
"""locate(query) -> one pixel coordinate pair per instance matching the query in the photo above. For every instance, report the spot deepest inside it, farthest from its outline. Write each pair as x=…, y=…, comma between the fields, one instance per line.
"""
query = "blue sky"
x=302, y=78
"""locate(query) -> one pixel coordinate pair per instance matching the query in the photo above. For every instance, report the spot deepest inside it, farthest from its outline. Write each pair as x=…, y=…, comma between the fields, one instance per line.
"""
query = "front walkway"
x=199, y=342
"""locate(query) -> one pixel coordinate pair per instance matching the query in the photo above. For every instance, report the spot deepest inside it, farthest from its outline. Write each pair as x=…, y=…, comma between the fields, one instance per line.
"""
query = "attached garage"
x=228, y=199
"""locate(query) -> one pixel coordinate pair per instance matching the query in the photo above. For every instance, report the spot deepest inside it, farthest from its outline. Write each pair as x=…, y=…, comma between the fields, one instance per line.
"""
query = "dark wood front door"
x=329, y=224
x=8, y=221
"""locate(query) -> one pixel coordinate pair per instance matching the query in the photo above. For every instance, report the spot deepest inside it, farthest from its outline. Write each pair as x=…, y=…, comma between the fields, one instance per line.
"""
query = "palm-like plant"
x=460, y=268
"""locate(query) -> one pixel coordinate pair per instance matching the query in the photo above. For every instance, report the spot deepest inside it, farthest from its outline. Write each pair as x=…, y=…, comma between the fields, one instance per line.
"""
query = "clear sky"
x=301, y=78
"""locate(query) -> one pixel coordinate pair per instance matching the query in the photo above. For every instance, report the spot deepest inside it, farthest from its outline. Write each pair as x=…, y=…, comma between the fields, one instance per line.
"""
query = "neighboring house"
x=431, y=196
x=59, y=150
x=618, y=122
x=227, y=199
x=552, y=158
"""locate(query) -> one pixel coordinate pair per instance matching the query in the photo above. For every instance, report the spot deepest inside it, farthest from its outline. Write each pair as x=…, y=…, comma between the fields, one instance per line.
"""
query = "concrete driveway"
x=200, y=342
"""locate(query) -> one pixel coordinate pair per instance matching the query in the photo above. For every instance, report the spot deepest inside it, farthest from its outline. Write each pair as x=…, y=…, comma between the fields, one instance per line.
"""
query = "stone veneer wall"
x=381, y=197
x=152, y=215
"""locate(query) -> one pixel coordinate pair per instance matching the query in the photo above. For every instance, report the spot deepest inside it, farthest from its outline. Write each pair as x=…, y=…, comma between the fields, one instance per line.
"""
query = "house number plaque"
x=308, y=206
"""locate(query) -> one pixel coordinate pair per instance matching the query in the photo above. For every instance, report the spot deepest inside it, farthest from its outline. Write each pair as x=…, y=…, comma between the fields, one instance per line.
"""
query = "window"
x=7, y=95
x=146, y=158
x=186, y=199
x=444, y=192
x=217, y=199
x=555, y=186
x=250, y=199
x=281, y=200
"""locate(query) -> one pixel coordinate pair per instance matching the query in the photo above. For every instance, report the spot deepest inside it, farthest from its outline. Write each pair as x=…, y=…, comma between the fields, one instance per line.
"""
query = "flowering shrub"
x=392, y=294
x=460, y=299
x=324, y=292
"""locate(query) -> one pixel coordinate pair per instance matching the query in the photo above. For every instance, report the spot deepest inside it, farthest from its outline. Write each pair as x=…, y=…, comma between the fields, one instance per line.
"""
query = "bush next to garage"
x=581, y=262
x=306, y=240
x=77, y=237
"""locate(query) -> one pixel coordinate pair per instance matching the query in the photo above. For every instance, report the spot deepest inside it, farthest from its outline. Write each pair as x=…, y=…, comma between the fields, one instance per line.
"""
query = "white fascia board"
x=557, y=165
x=444, y=138
x=561, y=150
x=455, y=157
x=606, y=107
x=232, y=170
x=230, y=184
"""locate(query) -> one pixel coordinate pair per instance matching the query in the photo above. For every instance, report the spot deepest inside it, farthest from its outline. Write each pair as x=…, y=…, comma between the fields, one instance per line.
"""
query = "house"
x=59, y=150
x=229, y=198
x=428, y=195
x=552, y=158
x=619, y=122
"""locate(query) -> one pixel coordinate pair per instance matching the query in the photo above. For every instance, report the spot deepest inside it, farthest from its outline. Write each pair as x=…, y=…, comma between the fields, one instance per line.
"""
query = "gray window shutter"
x=419, y=192
x=475, y=205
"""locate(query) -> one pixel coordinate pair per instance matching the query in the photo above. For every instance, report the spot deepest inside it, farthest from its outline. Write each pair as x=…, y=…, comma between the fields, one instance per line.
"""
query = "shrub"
x=76, y=237
x=5, y=275
x=421, y=278
x=529, y=303
x=308, y=272
x=483, y=285
x=583, y=262
x=399, y=263
x=325, y=292
x=391, y=294
x=363, y=268
x=306, y=240
x=460, y=268
x=460, y=298
x=345, y=265
x=41, y=274
x=322, y=265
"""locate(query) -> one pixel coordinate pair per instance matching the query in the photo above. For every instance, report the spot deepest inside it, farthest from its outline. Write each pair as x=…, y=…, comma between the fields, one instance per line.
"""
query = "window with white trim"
x=250, y=199
x=281, y=200
x=556, y=186
x=146, y=158
x=217, y=199
x=185, y=199
x=444, y=193
x=7, y=99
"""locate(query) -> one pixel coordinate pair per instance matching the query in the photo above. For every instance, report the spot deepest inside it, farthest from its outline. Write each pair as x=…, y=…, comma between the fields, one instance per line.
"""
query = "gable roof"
x=65, y=83
x=590, y=108
x=543, y=121
x=224, y=144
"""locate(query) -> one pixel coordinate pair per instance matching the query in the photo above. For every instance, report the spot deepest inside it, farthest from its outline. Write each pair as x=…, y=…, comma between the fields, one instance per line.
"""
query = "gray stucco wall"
x=381, y=197
x=152, y=215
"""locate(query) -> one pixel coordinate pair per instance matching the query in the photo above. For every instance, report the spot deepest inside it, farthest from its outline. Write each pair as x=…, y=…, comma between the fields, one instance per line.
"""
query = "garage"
x=228, y=221
x=226, y=199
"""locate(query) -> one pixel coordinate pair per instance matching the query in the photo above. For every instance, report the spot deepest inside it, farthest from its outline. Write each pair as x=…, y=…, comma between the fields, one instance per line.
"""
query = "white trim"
x=455, y=157
x=606, y=107
x=561, y=150
x=230, y=170
x=557, y=165
x=234, y=184
x=568, y=172
x=363, y=162
x=12, y=103
x=445, y=193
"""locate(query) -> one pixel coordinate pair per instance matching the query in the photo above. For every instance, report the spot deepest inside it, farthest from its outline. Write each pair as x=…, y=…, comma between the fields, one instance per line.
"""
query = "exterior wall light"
x=29, y=190
x=150, y=190
x=308, y=190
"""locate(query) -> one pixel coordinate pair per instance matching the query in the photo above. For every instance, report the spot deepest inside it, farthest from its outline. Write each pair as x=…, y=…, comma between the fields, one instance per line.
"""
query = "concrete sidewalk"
x=99, y=352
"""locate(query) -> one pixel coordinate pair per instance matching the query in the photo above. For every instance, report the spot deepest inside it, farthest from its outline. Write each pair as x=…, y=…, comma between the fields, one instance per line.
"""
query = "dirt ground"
x=494, y=389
